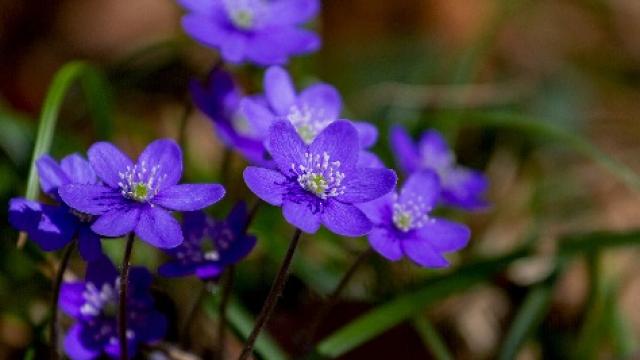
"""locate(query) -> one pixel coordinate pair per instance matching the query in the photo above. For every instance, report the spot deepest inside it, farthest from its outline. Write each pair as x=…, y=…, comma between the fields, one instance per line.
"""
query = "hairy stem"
x=122, y=308
x=57, y=283
x=272, y=298
x=310, y=334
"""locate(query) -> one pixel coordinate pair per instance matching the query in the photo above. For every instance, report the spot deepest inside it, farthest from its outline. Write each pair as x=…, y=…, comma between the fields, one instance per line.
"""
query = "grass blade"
x=432, y=339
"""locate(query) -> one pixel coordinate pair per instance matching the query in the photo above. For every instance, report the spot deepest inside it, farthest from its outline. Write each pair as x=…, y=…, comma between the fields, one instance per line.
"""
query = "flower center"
x=410, y=214
x=103, y=301
x=308, y=121
x=244, y=13
x=139, y=183
x=320, y=176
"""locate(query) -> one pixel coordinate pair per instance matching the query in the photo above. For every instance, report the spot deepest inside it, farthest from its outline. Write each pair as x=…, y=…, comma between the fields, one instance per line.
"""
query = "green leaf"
x=242, y=322
x=95, y=89
x=16, y=136
x=531, y=313
x=432, y=339
x=568, y=138
x=390, y=314
x=595, y=241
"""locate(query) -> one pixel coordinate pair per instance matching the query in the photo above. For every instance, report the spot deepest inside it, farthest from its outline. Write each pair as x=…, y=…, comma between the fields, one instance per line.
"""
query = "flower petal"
x=117, y=222
x=292, y=12
x=159, y=228
x=422, y=252
x=434, y=150
x=368, y=159
x=445, y=235
x=108, y=162
x=24, y=215
x=465, y=189
x=345, y=219
x=165, y=154
x=101, y=271
x=71, y=298
x=176, y=269
x=323, y=97
x=423, y=184
x=51, y=174
x=286, y=146
x=78, y=169
x=199, y=6
x=362, y=185
x=209, y=271
x=51, y=227
x=267, y=184
x=74, y=347
x=189, y=197
x=279, y=90
x=300, y=215
x=385, y=243
x=367, y=133
x=340, y=141
x=258, y=116
x=89, y=244
x=379, y=211
x=404, y=149
x=91, y=199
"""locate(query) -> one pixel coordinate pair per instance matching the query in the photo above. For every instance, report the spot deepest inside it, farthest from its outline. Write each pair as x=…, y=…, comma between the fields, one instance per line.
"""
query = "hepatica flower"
x=210, y=245
x=309, y=112
x=403, y=225
x=54, y=226
x=93, y=304
x=319, y=183
x=219, y=98
x=264, y=32
x=139, y=196
x=461, y=187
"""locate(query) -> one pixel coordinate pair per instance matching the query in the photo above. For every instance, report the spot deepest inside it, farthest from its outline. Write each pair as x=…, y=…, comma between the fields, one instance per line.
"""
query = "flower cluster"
x=304, y=156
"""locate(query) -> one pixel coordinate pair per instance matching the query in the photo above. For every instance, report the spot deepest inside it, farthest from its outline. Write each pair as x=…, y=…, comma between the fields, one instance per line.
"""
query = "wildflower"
x=54, y=226
x=219, y=98
x=461, y=187
x=403, y=225
x=210, y=246
x=93, y=304
x=264, y=32
x=309, y=112
x=138, y=197
x=318, y=183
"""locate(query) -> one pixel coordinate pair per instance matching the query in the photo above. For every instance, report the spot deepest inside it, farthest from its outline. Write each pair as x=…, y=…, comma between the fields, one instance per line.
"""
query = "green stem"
x=53, y=329
x=122, y=309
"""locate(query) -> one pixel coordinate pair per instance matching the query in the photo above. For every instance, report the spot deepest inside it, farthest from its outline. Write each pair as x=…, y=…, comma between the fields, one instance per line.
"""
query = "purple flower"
x=94, y=306
x=54, y=226
x=402, y=225
x=461, y=187
x=138, y=197
x=264, y=32
x=210, y=245
x=319, y=183
x=219, y=98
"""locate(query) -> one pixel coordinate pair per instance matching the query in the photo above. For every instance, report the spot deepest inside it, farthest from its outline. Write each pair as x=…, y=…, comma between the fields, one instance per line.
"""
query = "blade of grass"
x=432, y=339
x=570, y=139
x=242, y=323
x=529, y=315
x=94, y=85
x=392, y=313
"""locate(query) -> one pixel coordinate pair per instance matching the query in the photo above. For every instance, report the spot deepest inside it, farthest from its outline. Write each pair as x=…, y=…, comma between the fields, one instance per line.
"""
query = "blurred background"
x=541, y=94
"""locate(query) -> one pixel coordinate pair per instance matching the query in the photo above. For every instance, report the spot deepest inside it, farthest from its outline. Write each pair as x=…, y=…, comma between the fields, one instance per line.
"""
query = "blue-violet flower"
x=461, y=187
x=54, y=226
x=210, y=245
x=138, y=197
x=403, y=226
x=264, y=32
x=93, y=304
x=319, y=183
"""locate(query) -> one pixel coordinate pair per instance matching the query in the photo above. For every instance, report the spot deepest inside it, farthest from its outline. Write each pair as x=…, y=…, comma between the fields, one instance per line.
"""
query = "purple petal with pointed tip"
x=345, y=219
x=189, y=197
x=267, y=184
x=157, y=227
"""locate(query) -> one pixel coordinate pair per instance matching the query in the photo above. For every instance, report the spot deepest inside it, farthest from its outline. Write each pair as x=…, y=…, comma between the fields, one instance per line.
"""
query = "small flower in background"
x=461, y=187
x=138, y=197
x=319, y=183
x=309, y=112
x=258, y=31
x=219, y=98
x=54, y=226
x=94, y=306
x=402, y=225
x=209, y=245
